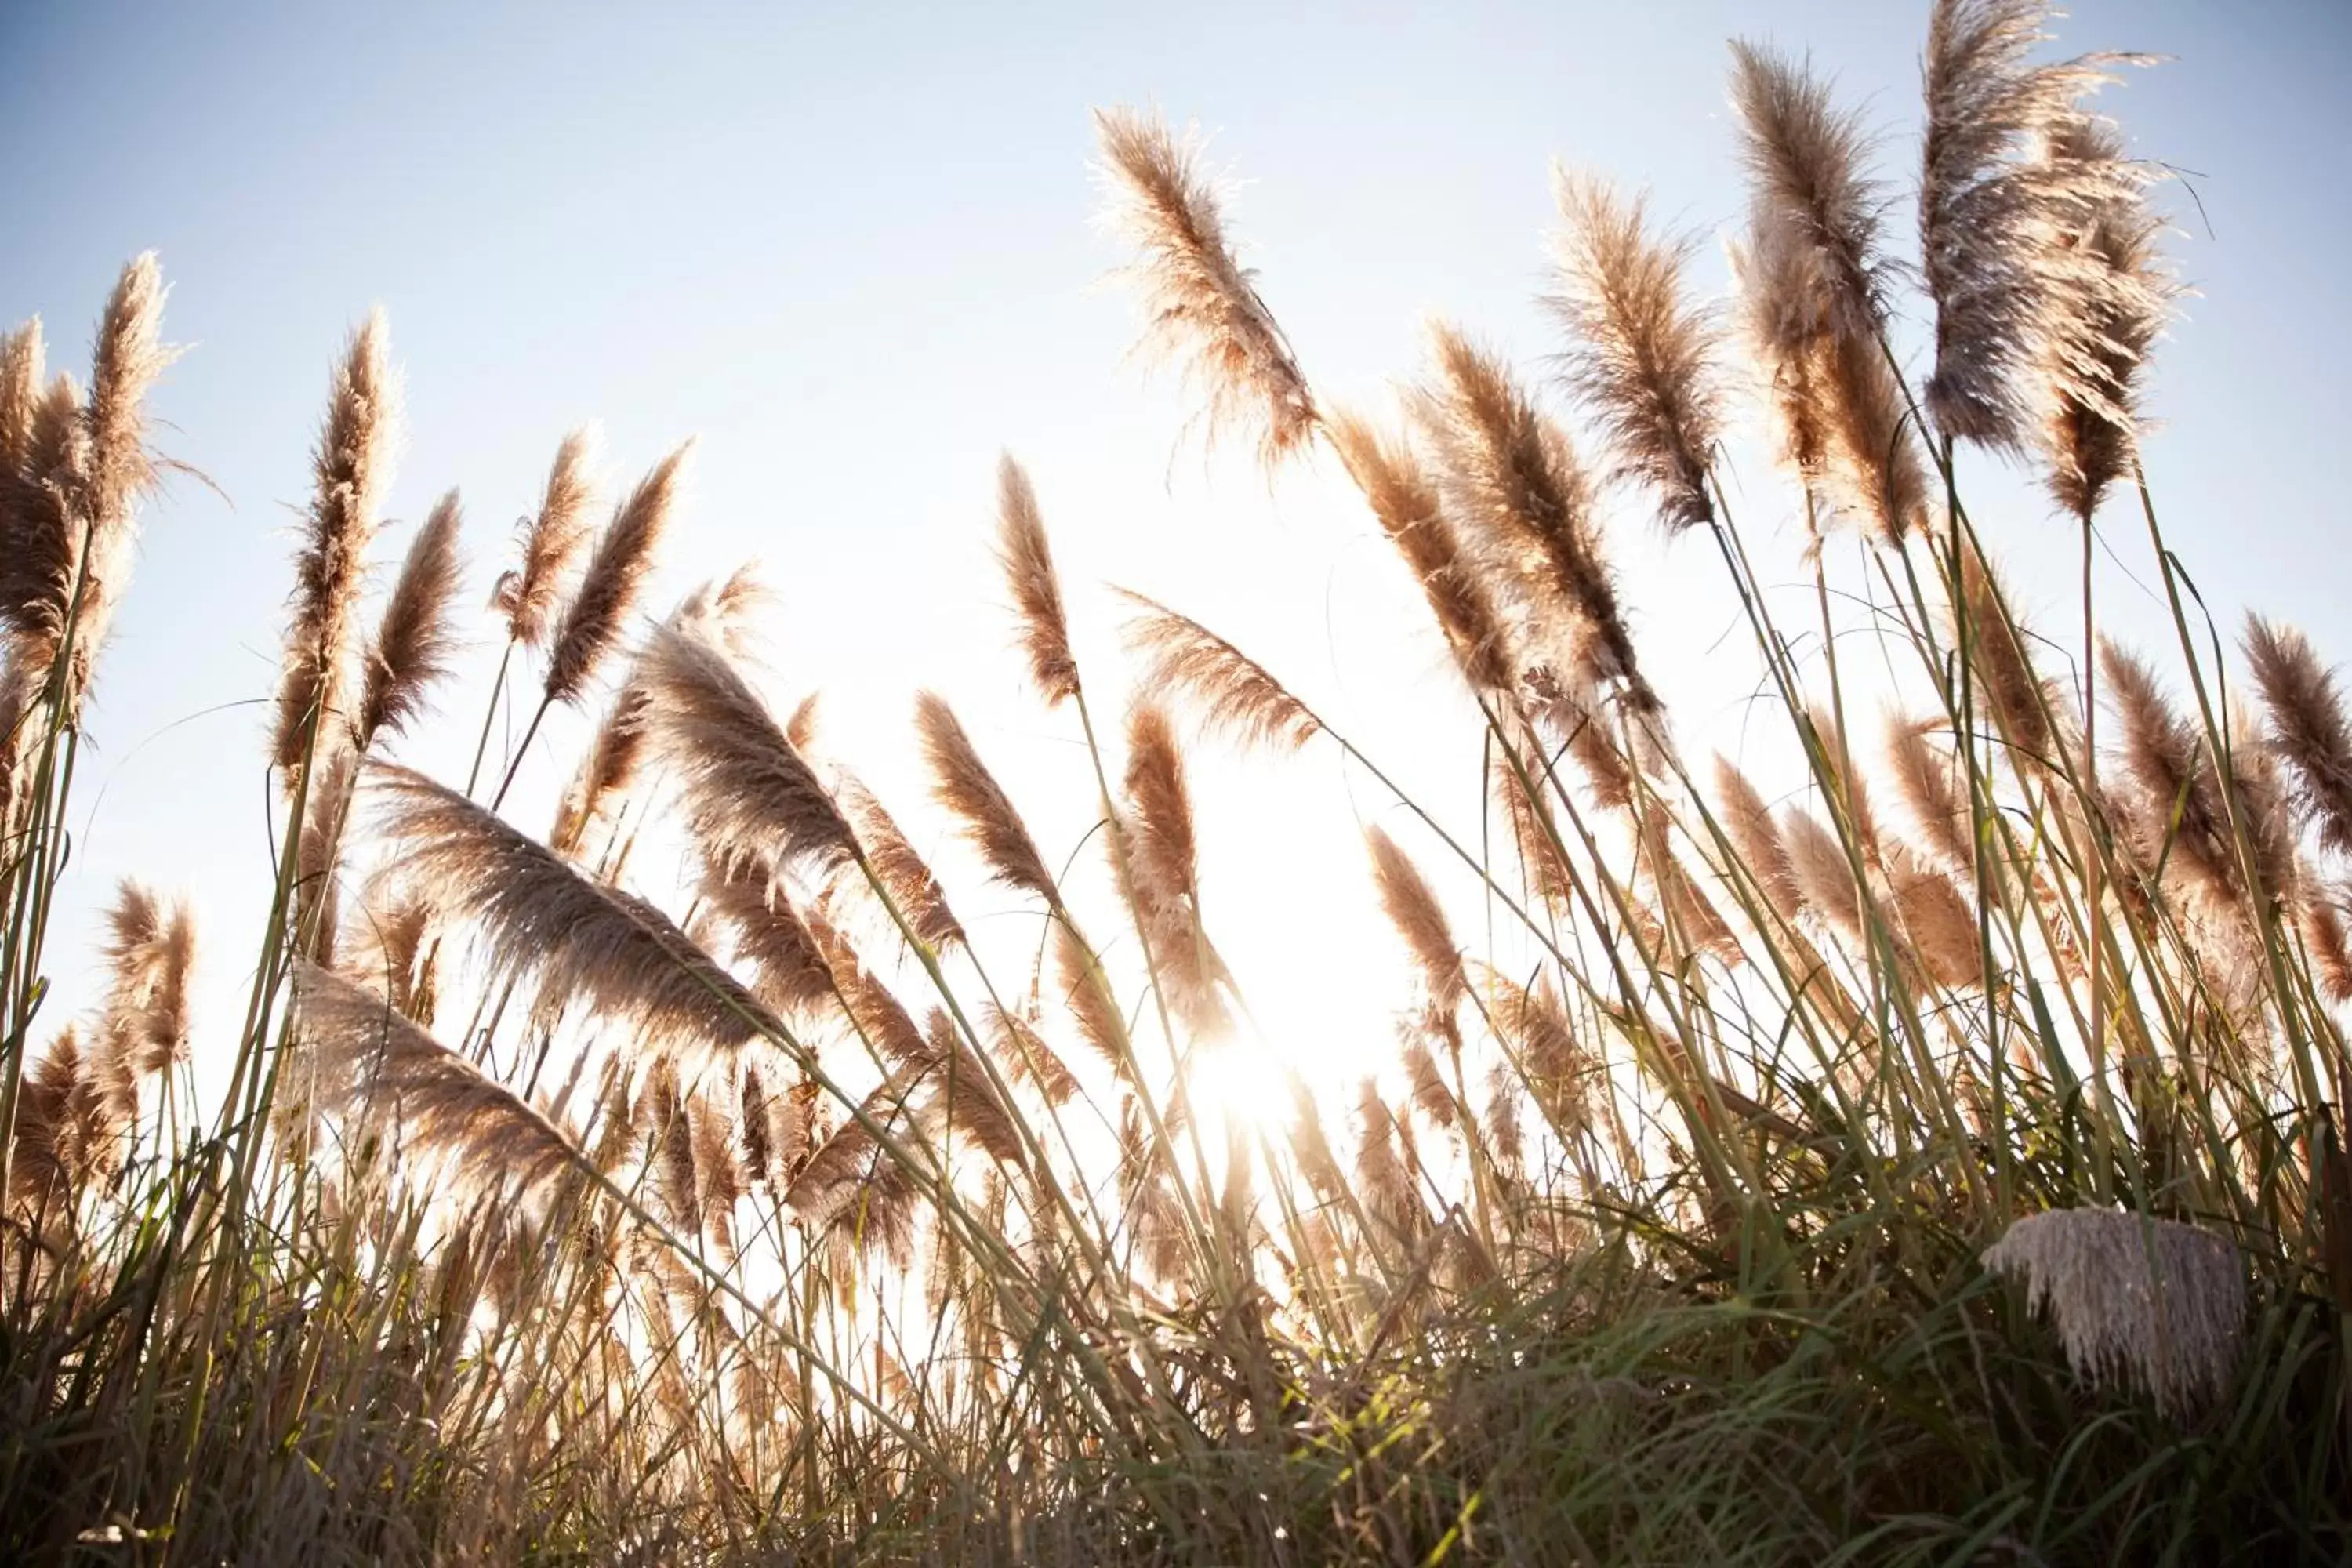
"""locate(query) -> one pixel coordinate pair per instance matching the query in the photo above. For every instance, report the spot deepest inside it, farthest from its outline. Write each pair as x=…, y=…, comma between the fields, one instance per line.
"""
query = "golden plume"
x=376, y=1067
x=353, y=466
x=1200, y=305
x=1806, y=160
x=614, y=952
x=748, y=789
x=1405, y=504
x=1027, y=560
x=416, y=639
x=1510, y=476
x=1412, y=908
x=1641, y=356
x=593, y=621
x=1230, y=690
x=962, y=783
x=549, y=541
x=2000, y=223
x=1155, y=833
x=2308, y=726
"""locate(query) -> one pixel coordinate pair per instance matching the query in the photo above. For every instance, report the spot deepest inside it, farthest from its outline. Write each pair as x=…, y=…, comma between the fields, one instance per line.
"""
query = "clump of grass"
x=1930, y=1154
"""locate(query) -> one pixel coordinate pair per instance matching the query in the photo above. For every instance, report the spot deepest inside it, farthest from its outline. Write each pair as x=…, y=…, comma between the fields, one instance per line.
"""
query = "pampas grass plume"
x=416, y=638
x=1027, y=560
x=1202, y=305
x=1641, y=355
x=962, y=783
x=1229, y=690
x=353, y=466
x=2308, y=730
x=549, y=541
x=2149, y=1302
x=614, y=579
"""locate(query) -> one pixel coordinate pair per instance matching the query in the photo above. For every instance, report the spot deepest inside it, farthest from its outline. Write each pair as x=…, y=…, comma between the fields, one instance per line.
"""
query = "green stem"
x=521, y=750
x=489, y=718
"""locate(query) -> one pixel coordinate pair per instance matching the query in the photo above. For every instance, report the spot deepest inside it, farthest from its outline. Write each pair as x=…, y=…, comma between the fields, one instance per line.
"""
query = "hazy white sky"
x=850, y=249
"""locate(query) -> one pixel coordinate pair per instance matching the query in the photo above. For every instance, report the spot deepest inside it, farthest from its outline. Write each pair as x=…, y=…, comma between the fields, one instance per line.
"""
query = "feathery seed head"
x=1845, y=430
x=2328, y=942
x=1027, y=1059
x=1812, y=280
x=2149, y=1302
x=549, y=541
x=1997, y=642
x=18, y=717
x=1756, y=839
x=2266, y=801
x=1938, y=926
x=722, y=612
x=902, y=872
x=1202, y=305
x=1406, y=504
x=1822, y=874
x=1164, y=849
x=391, y=953
x=612, y=950
x=593, y=622
x=967, y=1101
x=2107, y=321
x=130, y=356
x=1412, y=908
x=880, y=1019
x=40, y=548
x=1086, y=993
x=2308, y=731
x=1534, y=834
x=24, y=376
x=1807, y=162
x=70, y=1130
x=962, y=783
x=606, y=772
x=749, y=791
x=850, y=1158
x=1510, y=476
x=2182, y=818
x=1783, y=318
x=376, y=1067
x=1573, y=707
x=1027, y=560
x=1999, y=221
x=1873, y=474
x=319, y=857
x=789, y=968
x=1532, y=1020
x=353, y=466
x=1229, y=690
x=416, y=638
x=67, y=523
x=1309, y=1144
x=98, y=486
x=1155, y=833
x=1641, y=355
x=1931, y=782
x=150, y=953
x=1381, y=1176
x=1426, y=1083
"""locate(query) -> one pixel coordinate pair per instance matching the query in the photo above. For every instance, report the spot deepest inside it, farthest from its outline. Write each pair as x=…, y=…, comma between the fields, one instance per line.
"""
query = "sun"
x=1237, y=1086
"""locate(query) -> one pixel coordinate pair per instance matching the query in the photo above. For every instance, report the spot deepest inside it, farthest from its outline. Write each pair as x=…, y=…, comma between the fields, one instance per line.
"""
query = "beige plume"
x=1200, y=305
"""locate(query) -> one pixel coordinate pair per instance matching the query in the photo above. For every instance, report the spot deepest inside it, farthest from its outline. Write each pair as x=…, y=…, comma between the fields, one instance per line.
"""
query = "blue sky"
x=851, y=250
